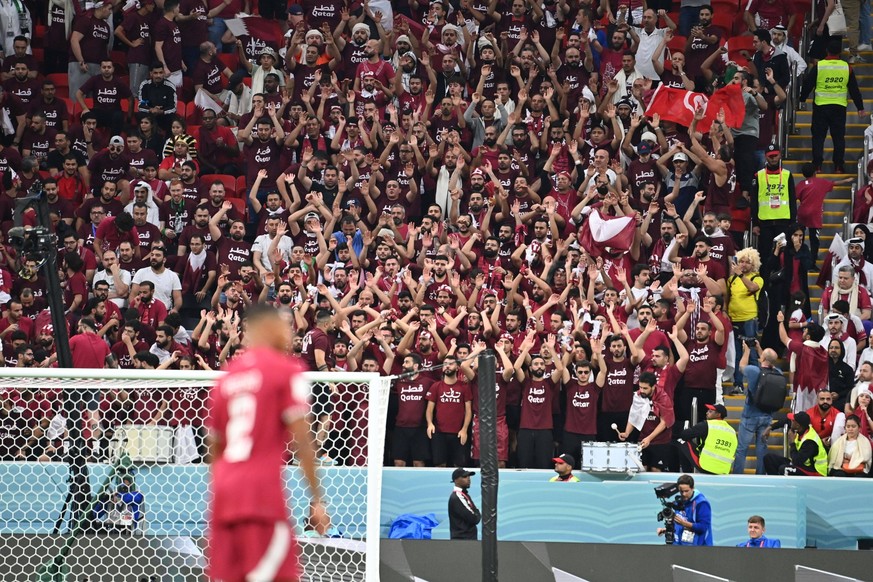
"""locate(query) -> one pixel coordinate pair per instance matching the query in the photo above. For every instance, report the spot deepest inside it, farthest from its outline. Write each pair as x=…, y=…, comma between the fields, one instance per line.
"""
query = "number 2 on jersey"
x=241, y=420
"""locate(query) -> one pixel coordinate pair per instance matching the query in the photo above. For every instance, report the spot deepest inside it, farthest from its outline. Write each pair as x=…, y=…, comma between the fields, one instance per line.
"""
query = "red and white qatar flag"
x=601, y=232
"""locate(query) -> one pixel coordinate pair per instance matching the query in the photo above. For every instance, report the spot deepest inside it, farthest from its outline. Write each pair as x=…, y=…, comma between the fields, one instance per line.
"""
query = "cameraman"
x=121, y=511
x=694, y=519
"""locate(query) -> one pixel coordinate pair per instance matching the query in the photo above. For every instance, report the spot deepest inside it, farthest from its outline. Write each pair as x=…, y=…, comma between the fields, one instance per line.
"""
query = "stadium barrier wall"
x=450, y=561
x=826, y=513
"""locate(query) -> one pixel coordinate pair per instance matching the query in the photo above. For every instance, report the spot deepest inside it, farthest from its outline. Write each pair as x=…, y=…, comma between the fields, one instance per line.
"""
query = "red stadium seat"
x=241, y=188
x=228, y=181
x=740, y=43
x=677, y=43
x=230, y=60
x=239, y=204
x=727, y=7
x=59, y=79
x=725, y=22
x=187, y=93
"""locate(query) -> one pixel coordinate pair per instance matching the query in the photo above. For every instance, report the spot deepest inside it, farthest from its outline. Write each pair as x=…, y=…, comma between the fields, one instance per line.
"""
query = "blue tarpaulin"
x=410, y=526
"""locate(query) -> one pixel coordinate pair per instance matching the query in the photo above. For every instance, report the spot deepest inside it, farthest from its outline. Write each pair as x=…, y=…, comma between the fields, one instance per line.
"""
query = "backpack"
x=771, y=391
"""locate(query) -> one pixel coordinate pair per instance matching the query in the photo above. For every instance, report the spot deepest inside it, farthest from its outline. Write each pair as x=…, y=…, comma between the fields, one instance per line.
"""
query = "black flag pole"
x=488, y=460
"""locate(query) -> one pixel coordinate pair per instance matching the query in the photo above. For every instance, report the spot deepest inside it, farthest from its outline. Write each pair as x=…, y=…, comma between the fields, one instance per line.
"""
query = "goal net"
x=121, y=492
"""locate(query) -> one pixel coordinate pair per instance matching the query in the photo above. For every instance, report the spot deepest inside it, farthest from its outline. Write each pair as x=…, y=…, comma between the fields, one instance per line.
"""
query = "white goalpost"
x=122, y=492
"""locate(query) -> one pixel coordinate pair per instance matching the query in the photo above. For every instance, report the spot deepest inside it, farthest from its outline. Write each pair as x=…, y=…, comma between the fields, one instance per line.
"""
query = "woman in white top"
x=851, y=454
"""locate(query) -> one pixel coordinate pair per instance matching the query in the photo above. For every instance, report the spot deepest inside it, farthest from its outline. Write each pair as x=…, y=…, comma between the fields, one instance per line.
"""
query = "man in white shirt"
x=648, y=38
x=261, y=247
x=778, y=35
x=168, y=287
x=117, y=278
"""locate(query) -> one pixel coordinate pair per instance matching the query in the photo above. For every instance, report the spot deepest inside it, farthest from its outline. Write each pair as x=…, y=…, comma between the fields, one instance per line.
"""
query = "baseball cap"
x=459, y=472
x=563, y=173
x=352, y=202
x=116, y=140
x=565, y=458
x=649, y=136
x=644, y=148
x=368, y=74
x=624, y=103
x=680, y=156
x=295, y=9
x=311, y=216
x=772, y=150
x=47, y=329
x=477, y=172
x=719, y=408
x=802, y=418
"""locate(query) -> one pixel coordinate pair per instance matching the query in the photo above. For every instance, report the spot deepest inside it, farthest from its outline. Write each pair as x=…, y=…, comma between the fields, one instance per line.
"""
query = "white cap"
x=649, y=136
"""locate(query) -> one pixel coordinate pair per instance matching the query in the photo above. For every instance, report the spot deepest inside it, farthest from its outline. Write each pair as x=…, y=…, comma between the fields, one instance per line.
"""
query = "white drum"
x=595, y=456
x=611, y=457
x=144, y=443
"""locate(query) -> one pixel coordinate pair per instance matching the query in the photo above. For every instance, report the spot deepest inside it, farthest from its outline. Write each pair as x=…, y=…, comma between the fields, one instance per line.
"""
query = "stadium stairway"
x=837, y=206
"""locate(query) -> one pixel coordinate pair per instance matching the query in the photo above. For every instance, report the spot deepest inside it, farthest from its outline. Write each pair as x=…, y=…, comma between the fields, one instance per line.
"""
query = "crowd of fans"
x=415, y=184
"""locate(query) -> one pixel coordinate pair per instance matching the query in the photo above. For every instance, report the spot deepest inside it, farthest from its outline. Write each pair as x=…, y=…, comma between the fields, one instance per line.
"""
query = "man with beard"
x=429, y=347
x=723, y=249
x=167, y=286
x=147, y=233
x=261, y=247
x=538, y=392
x=676, y=77
x=217, y=146
x=285, y=294
x=410, y=435
x=439, y=278
x=615, y=377
x=574, y=73
x=110, y=165
x=230, y=250
x=611, y=56
x=700, y=43
x=165, y=346
x=824, y=416
x=263, y=152
x=836, y=330
x=176, y=212
x=129, y=345
x=107, y=92
x=353, y=50
x=116, y=279
x=714, y=269
x=649, y=36
x=317, y=352
x=199, y=227
x=381, y=70
x=152, y=311
x=701, y=372
x=38, y=140
x=44, y=348
x=654, y=428
x=773, y=200
x=138, y=157
x=486, y=127
x=448, y=415
x=642, y=170
x=215, y=203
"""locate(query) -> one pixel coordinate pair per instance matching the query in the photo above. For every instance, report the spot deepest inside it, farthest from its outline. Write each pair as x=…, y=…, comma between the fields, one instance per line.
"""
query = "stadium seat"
x=228, y=181
x=241, y=190
x=740, y=43
x=69, y=103
x=239, y=204
x=59, y=79
x=39, y=32
x=677, y=43
x=39, y=57
x=725, y=22
x=230, y=60
x=726, y=7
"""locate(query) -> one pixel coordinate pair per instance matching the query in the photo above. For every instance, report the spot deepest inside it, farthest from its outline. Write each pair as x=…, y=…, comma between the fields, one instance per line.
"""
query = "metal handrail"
x=862, y=177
